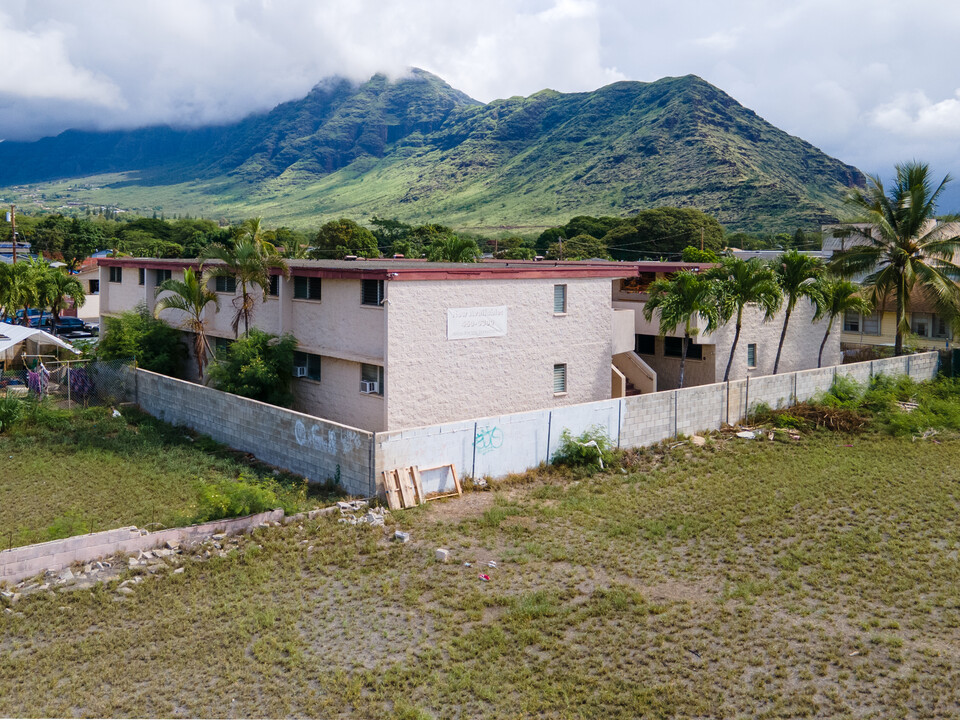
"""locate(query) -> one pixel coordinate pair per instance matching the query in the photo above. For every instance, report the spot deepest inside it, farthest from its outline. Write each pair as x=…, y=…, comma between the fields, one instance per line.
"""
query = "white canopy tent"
x=15, y=339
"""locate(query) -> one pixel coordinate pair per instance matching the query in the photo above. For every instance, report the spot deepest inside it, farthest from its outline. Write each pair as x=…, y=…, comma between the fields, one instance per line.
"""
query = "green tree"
x=454, y=249
x=191, y=297
x=249, y=264
x=136, y=333
x=906, y=247
x=339, y=238
x=833, y=296
x=663, y=231
x=679, y=300
x=693, y=254
x=581, y=247
x=796, y=274
x=742, y=283
x=258, y=366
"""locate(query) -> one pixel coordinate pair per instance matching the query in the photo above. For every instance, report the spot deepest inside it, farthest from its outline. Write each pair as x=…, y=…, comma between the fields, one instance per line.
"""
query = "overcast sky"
x=871, y=82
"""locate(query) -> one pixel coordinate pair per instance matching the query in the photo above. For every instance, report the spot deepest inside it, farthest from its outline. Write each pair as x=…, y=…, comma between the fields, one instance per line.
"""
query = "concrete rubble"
x=169, y=558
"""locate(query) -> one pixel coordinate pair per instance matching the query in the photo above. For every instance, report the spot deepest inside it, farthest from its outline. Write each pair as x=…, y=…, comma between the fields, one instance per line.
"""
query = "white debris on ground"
x=359, y=512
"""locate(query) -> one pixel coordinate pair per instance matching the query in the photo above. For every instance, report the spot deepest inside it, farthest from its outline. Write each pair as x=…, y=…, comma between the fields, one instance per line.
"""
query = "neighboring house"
x=89, y=277
x=927, y=330
x=707, y=355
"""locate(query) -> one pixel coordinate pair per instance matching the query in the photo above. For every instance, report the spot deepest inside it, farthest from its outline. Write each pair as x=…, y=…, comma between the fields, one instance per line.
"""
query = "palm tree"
x=678, y=300
x=60, y=287
x=905, y=247
x=796, y=274
x=252, y=230
x=191, y=297
x=453, y=248
x=833, y=296
x=742, y=283
x=249, y=264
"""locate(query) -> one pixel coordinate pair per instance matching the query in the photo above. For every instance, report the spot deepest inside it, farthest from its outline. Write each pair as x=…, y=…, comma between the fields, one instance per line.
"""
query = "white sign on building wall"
x=476, y=322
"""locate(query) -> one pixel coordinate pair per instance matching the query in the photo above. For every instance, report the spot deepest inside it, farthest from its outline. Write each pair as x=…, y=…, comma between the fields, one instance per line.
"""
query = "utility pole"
x=13, y=227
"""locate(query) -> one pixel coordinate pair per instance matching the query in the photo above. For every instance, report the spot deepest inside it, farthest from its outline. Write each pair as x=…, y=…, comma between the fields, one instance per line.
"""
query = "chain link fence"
x=71, y=382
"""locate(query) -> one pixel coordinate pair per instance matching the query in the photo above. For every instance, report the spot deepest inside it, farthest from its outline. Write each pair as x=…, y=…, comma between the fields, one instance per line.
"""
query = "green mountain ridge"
x=422, y=151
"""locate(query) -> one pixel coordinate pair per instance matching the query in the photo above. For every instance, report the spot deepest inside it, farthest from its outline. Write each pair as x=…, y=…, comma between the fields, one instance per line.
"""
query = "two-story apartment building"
x=387, y=344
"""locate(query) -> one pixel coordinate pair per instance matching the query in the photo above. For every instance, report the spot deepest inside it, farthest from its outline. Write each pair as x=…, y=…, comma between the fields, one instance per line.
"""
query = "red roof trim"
x=518, y=270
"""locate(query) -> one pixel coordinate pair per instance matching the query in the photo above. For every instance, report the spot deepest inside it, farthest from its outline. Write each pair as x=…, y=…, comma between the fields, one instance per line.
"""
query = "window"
x=116, y=274
x=371, y=292
x=920, y=324
x=274, y=290
x=225, y=284
x=141, y=276
x=673, y=347
x=940, y=327
x=311, y=363
x=371, y=379
x=851, y=321
x=94, y=287
x=559, y=379
x=871, y=324
x=221, y=345
x=162, y=276
x=752, y=355
x=559, y=299
x=306, y=288
x=645, y=344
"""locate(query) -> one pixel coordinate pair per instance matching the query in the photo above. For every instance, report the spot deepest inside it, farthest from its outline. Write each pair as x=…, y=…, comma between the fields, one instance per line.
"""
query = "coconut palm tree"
x=796, y=274
x=679, y=300
x=741, y=283
x=249, y=264
x=832, y=297
x=191, y=297
x=906, y=247
x=61, y=287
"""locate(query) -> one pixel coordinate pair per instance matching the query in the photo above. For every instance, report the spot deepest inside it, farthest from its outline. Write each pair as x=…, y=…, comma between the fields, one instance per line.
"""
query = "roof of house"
x=389, y=269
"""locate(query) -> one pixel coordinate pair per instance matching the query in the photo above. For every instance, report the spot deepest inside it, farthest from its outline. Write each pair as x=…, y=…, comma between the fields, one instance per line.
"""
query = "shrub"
x=226, y=499
x=11, y=410
x=155, y=345
x=258, y=366
x=591, y=448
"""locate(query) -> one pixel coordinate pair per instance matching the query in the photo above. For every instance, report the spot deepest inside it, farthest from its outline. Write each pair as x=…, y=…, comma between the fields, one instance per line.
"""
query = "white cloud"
x=914, y=115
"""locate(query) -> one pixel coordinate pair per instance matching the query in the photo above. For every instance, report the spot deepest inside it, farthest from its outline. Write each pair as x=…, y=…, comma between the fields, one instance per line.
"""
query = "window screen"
x=274, y=286
x=851, y=321
x=310, y=362
x=371, y=292
x=162, y=276
x=645, y=344
x=116, y=274
x=752, y=355
x=559, y=298
x=559, y=378
x=226, y=284
x=306, y=288
x=141, y=276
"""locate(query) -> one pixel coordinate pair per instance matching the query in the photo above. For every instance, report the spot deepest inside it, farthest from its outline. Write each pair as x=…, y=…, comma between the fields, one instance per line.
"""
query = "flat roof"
x=389, y=269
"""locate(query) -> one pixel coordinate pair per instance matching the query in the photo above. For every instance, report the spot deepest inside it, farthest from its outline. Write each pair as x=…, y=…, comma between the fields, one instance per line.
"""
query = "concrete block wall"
x=301, y=443
x=496, y=446
x=20, y=563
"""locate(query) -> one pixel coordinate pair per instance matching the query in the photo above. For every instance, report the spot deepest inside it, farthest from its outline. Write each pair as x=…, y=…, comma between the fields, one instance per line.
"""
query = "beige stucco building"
x=387, y=344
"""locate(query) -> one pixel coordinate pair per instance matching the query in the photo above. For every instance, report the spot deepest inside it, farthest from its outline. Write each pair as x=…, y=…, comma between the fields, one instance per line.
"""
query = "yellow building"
x=928, y=331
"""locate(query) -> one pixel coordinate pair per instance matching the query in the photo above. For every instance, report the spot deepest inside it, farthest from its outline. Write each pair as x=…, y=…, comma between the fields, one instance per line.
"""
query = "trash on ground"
x=747, y=434
x=442, y=555
x=485, y=578
x=401, y=536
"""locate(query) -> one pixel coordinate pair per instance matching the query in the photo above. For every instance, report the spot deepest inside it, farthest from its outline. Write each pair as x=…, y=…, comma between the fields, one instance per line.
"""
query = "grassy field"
x=816, y=577
x=66, y=473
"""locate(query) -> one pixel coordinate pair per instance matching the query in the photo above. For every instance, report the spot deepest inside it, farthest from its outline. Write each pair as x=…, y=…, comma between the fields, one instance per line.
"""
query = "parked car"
x=33, y=317
x=71, y=327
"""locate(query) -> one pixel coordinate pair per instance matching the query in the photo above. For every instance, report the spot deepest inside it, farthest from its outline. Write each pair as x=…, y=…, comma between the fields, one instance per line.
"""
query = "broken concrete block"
x=65, y=576
x=400, y=536
x=698, y=440
x=442, y=555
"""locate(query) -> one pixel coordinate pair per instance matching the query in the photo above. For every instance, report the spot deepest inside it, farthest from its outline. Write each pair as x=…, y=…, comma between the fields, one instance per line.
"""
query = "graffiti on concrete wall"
x=488, y=439
x=333, y=441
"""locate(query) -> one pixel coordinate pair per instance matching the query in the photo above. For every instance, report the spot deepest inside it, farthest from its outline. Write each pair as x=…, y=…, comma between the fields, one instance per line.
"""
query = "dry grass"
x=741, y=579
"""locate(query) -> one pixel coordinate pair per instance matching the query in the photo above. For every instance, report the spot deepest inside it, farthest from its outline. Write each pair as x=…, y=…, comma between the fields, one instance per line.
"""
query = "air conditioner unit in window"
x=371, y=387
x=299, y=371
